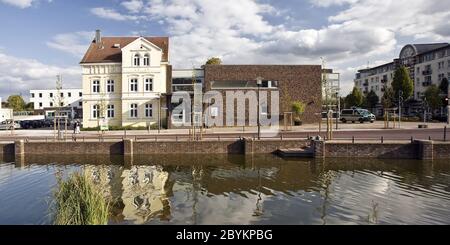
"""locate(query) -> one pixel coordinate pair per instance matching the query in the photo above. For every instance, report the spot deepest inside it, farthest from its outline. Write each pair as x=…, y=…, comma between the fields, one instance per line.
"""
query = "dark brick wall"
x=73, y=148
x=295, y=82
x=372, y=150
x=200, y=147
x=271, y=146
x=441, y=150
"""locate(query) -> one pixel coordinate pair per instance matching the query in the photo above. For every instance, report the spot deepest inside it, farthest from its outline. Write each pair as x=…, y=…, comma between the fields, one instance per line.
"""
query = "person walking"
x=77, y=127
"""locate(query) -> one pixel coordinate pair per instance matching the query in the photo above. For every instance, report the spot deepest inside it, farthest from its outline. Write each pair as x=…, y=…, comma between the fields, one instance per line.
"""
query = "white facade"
x=127, y=93
x=49, y=98
x=5, y=113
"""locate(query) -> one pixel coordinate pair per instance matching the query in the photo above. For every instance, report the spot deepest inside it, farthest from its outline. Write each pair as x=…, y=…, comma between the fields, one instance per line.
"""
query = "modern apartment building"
x=125, y=80
x=49, y=98
x=427, y=63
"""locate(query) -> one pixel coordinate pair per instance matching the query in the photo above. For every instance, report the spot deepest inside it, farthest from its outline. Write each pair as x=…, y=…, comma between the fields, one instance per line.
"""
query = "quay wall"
x=419, y=149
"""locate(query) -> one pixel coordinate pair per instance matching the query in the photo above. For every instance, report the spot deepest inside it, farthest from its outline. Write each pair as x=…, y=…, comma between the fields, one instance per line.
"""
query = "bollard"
x=445, y=133
x=353, y=139
x=382, y=139
x=412, y=139
x=281, y=136
x=429, y=137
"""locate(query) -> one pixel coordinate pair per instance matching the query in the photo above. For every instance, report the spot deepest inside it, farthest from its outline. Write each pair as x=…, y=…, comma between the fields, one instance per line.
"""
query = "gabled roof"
x=423, y=48
x=106, y=52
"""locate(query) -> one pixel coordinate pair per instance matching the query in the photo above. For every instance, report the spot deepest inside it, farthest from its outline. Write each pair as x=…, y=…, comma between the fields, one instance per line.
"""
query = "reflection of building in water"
x=145, y=193
x=107, y=177
x=139, y=193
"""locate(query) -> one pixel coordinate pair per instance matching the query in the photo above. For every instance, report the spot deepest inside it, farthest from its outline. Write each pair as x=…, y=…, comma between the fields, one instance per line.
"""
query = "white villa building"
x=125, y=80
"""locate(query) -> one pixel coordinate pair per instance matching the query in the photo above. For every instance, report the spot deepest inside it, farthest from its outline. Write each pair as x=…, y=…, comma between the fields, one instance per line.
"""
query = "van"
x=356, y=115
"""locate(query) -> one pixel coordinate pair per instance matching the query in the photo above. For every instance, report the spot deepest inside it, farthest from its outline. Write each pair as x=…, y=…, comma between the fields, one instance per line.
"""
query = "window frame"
x=148, y=84
x=133, y=110
x=95, y=86
x=148, y=110
x=134, y=82
x=110, y=84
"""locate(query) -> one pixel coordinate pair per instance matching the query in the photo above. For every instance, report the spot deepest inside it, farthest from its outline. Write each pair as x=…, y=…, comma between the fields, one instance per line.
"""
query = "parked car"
x=8, y=125
x=371, y=115
x=356, y=115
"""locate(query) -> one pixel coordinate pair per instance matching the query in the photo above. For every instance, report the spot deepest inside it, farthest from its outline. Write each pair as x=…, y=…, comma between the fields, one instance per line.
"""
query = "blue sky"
x=42, y=38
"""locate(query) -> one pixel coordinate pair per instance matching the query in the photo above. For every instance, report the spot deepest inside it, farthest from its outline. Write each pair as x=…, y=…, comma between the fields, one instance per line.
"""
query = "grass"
x=79, y=202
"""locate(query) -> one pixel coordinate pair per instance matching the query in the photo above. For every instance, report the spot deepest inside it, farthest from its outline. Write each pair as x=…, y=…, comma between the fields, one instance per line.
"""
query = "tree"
x=16, y=102
x=213, y=61
x=444, y=86
x=388, y=98
x=402, y=82
x=432, y=97
x=355, y=98
x=298, y=108
x=372, y=99
x=29, y=106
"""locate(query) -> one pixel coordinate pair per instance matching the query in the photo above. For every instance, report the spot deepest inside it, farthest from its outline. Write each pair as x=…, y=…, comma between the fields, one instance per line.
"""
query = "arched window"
x=146, y=60
x=136, y=60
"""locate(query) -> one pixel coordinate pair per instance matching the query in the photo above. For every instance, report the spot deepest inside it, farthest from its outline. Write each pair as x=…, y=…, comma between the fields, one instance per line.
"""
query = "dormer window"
x=146, y=60
x=136, y=60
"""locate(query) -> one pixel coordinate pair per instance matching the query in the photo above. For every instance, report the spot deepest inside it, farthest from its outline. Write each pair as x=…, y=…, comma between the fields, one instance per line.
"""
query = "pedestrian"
x=77, y=127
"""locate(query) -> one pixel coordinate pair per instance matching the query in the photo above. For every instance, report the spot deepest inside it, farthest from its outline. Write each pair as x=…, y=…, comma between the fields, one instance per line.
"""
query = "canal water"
x=235, y=189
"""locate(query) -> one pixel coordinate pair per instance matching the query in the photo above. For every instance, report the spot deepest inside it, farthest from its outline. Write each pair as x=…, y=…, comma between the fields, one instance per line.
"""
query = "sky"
x=43, y=38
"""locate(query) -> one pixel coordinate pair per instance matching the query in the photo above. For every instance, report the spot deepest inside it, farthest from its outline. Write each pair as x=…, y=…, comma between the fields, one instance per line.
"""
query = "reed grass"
x=79, y=202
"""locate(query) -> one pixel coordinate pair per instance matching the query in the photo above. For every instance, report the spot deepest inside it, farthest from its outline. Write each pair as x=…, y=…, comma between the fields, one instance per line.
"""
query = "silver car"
x=356, y=115
x=8, y=125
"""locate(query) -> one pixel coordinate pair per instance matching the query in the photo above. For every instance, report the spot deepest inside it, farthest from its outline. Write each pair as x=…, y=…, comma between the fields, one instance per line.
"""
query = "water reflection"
x=235, y=189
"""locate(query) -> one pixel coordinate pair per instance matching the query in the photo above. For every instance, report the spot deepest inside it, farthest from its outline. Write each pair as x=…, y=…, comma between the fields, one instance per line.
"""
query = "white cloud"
x=239, y=32
x=328, y=3
x=18, y=75
x=19, y=3
x=73, y=43
x=112, y=14
x=134, y=6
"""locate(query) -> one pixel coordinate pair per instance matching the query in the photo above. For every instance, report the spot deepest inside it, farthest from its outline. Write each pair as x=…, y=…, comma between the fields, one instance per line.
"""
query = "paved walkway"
x=309, y=128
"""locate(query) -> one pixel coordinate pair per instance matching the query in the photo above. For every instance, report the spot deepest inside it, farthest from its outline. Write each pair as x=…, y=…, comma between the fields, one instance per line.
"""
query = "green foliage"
x=444, y=86
x=432, y=97
x=402, y=81
x=372, y=99
x=16, y=102
x=298, y=108
x=355, y=98
x=213, y=61
x=78, y=201
x=388, y=98
x=29, y=106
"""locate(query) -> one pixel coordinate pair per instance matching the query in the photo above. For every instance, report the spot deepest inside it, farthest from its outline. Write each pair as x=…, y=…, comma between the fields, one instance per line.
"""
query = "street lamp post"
x=338, y=109
x=400, y=99
x=258, y=83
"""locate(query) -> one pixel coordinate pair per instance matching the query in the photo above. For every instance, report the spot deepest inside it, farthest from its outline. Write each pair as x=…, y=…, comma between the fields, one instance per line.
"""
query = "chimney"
x=98, y=37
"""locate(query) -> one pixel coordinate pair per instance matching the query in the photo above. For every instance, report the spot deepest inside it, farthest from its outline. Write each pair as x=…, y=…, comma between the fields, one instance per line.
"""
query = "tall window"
x=133, y=110
x=110, y=111
x=69, y=94
x=80, y=94
x=134, y=85
x=51, y=104
x=110, y=86
x=96, y=86
x=95, y=111
x=40, y=95
x=136, y=60
x=51, y=95
x=148, y=110
x=146, y=60
x=62, y=95
x=32, y=95
x=148, y=84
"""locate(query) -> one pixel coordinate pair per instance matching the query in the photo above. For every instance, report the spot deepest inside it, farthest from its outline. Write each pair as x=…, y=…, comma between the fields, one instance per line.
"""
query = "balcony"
x=384, y=80
x=426, y=84
x=427, y=72
x=365, y=84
